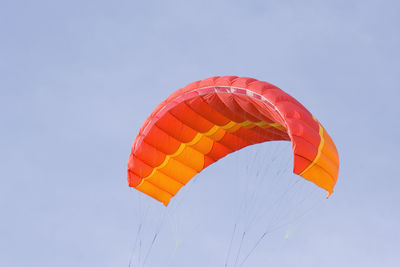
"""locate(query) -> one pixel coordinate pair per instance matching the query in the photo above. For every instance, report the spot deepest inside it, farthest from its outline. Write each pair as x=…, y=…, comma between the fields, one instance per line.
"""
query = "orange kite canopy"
x=206, y=120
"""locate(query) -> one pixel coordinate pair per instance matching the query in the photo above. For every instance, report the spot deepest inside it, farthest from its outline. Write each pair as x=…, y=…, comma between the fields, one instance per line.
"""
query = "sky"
x=78, y=78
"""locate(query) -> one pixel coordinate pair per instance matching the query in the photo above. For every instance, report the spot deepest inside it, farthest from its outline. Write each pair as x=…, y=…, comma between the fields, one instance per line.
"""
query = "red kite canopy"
x=206, y=120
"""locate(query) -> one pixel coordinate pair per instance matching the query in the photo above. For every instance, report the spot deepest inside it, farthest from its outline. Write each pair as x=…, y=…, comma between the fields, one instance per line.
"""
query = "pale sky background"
x=78, y=78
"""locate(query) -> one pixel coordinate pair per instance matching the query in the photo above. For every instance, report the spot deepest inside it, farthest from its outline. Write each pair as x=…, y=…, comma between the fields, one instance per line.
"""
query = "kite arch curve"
x=209, y=119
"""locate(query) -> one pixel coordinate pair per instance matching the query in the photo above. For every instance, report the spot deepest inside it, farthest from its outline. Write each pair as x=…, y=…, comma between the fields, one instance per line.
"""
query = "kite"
x=209, y=119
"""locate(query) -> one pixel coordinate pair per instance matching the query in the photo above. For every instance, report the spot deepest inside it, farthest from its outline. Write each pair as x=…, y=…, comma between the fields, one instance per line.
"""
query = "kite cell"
x=209, y=119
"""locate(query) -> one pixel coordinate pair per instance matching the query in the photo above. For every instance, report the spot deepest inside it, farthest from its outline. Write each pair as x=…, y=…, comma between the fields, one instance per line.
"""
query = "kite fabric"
x=209, y=119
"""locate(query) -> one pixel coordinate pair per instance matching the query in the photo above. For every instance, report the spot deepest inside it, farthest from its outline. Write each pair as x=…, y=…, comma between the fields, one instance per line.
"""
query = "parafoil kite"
x=206, y=120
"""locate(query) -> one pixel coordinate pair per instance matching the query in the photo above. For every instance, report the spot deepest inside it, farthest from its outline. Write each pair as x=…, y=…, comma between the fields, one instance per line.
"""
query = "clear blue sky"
x=77, y=79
